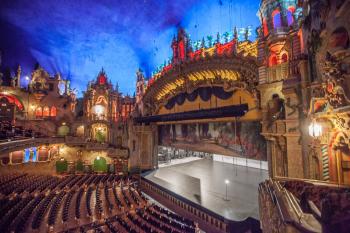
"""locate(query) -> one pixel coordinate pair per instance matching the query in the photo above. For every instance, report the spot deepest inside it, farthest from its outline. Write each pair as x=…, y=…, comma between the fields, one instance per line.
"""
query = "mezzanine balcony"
x=277, y=127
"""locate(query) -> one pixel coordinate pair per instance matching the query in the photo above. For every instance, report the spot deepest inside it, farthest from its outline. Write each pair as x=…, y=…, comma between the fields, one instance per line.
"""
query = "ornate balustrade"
x=295, y=205
x=6, y=147
x=275, y=127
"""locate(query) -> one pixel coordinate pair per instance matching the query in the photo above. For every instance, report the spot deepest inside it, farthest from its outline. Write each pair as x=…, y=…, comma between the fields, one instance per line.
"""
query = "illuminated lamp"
x=98, y=158
x=315, y=129
x=99, y=109
x=226, y=183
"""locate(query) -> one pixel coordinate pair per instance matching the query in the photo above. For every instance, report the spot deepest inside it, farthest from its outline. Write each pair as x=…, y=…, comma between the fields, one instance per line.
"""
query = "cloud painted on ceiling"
x=78, y=37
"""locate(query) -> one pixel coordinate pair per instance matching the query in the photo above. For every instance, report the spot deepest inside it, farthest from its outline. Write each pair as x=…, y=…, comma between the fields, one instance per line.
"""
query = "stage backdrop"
x=217, y=138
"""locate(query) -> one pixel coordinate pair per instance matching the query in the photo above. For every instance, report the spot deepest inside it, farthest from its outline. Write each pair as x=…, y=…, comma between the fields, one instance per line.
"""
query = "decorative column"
x=295, y=160
x=325, y=162
x=10, y=158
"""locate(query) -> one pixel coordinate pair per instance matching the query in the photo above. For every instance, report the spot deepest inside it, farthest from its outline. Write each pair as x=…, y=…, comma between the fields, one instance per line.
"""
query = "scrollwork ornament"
x=334, y=78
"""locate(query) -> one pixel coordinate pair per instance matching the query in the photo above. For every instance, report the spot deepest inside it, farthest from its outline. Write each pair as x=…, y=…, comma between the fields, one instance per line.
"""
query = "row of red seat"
x=35, y=202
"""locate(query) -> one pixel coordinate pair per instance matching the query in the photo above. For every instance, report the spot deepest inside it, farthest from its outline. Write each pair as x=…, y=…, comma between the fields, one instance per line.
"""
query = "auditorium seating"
x=66, y=206
x=54, y=208
x=98, y=203
x=77, y=203
x=88, y=200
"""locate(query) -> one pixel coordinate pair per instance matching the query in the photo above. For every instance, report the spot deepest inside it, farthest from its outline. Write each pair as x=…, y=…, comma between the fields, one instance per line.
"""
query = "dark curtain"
x=221, y=94
x=204, y=92
x=170, y=103
x=192, y=96
x=180, y=98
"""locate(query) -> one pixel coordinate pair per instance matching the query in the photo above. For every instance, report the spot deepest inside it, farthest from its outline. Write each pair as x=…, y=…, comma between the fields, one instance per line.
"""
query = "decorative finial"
x=235, y=33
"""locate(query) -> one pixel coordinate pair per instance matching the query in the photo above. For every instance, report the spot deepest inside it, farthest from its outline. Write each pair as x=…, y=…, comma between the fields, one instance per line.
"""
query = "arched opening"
x=273, y=60
x=276, y=16
x=30, y=154
x=99, y=132
x=339, y=39
x=99, y=112
x=80, y=131
x=63, y=130
x=339, y=154
x=39, y=112
x=17, y=157
x=46, y=111
x=284, y=58
x=265, y=28
x=53, y=111
x=100, y=164
x=43, y=154
x=290, y=17
x=80, y=165
x=7, y=110
x=61, y=88
x=61, y=165
x=13, y=100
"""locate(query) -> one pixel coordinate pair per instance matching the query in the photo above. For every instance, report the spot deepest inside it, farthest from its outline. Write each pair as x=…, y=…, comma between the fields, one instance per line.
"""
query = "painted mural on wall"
x=216, y=137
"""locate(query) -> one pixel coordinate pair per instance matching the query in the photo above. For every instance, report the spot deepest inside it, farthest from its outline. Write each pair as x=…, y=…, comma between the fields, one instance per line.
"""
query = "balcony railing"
x=98, y=118
x=276, y=127
x=277, y=72
x=30, y=142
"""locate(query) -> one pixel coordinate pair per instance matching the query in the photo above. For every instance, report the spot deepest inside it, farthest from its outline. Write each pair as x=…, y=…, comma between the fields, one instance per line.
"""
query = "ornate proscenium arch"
x=231, y=72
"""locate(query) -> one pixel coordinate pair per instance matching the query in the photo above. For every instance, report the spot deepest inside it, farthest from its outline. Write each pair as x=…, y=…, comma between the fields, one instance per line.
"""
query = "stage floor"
x=203, y=182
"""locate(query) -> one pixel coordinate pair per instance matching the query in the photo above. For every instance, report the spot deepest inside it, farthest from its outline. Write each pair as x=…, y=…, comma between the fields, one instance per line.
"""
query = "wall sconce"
x=315, y=129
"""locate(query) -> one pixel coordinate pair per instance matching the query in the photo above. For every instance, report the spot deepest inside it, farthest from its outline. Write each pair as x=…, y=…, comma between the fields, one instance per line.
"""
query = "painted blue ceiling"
x=78, y=37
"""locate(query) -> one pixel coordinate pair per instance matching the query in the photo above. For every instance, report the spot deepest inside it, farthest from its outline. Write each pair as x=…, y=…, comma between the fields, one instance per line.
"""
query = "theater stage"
x=203, y=182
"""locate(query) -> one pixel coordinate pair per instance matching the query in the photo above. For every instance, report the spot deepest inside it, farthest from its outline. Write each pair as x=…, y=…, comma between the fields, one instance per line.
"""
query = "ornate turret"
x=102, y=78
x=18, y=76
x=278, y=17
x=180, y=46
x=140, y=85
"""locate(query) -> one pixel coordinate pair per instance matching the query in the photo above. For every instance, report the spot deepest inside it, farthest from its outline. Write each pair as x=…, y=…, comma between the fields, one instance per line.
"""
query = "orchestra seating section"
x=305, y=205
x=8, y=131
x=82, y=203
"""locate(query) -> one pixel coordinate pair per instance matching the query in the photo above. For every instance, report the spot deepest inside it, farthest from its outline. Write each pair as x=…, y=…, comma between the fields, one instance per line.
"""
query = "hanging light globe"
x=315, y=129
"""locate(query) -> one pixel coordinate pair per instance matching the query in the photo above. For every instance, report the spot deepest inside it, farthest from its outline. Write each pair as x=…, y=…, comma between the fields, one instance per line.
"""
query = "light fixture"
x=315, y=129
x=27, y=78
x=98, y=157
x=226, y=183
x=99, y=109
